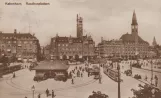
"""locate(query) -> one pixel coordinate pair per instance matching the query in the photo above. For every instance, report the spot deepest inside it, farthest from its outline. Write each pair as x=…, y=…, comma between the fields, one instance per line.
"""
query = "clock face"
x=133, y=27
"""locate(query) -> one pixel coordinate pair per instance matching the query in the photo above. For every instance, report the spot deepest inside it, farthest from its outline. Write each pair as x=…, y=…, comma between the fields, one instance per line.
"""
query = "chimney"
x=56, y=34
x=15, y=31
x=101, y=39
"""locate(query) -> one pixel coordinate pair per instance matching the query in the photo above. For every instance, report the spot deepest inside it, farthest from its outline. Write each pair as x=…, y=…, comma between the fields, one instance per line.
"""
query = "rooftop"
x=52, y=65
x=17, y=35
x=131, y=38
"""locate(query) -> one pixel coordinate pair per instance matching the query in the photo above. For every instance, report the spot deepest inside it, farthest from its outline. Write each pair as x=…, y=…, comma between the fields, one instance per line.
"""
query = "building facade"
x=111, y=48
x=129, y=45
x=22, y=46
x=73, y=47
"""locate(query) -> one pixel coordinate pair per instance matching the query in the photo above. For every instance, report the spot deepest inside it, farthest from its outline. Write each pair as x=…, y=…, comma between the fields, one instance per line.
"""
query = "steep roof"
x=73, y=39
x=52, y=65
x=18, y=35
x=134, y=20
x=131, y=38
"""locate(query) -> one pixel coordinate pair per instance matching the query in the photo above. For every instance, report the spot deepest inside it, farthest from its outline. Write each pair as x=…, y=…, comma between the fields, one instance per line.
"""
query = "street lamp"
x=99, y=60
x=33, y=89
x=117, y=60
x=151, y=72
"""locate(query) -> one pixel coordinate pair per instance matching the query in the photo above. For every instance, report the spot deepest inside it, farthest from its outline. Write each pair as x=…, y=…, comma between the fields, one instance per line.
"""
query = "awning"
x=8, y=49
x=40, y=75
x=30, y=59
x=19, y=58
x=19, y=45
x=80, y=56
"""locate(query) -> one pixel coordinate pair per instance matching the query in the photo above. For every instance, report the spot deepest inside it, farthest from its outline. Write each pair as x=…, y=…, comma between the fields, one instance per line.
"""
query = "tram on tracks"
x=111, y=73
x=93, y=69
x=11, y=68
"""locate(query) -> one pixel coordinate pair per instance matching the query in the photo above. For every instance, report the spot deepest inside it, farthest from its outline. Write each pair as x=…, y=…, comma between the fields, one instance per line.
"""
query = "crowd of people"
x=78, y=71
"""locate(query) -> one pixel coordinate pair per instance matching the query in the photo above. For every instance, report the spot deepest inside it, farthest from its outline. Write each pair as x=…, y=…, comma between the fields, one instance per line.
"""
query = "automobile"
x=96, y=77
x=128, y=72
x=137, y=76
x=60, y=78
x=39, y=78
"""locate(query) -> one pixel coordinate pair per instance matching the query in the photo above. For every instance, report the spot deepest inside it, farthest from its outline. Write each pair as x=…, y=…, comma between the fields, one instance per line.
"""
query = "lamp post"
x=99, y=69
x=33, y=90
x=118, y=68
x=117, y=60
x=151, y=72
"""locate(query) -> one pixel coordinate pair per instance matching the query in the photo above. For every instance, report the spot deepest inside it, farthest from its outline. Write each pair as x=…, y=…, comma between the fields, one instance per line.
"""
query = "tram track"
x=13, y=85
x=27, y=91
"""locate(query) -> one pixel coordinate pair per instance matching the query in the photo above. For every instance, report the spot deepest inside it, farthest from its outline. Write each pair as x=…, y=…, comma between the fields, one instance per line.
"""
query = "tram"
x=10, y=69
x=93, y=69
x=111, y=73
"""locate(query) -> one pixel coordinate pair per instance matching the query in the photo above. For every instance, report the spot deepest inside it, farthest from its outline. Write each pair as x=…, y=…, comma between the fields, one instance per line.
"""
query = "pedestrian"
x=72, y=81
x=81, y=75
x=100, y=78
x=39, y=95
x=53, y=95
x=156, y=80
x=88, y=74
x=146, y=78
x=47, y=92
x=14, y=75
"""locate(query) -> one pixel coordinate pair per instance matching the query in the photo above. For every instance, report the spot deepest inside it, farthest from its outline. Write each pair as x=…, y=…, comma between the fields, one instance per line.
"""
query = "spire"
x=77, y=17
x=134, y=20
x=154, y=42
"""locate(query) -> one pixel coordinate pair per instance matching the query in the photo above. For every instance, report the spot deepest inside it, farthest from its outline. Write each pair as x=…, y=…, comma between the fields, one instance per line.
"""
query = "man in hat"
x=39, y=95
x=53, y=95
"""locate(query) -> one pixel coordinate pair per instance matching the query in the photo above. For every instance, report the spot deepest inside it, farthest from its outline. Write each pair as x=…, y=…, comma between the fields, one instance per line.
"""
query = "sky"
x=101, y=18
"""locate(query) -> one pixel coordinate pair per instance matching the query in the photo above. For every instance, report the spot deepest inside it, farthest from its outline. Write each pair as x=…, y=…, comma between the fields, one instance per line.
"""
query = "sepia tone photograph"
x=80, y=49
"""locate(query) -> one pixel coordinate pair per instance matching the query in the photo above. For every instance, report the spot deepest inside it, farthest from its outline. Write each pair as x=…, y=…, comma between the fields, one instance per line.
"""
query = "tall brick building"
x=73, y=47
x=129, y=45
x=23, y=46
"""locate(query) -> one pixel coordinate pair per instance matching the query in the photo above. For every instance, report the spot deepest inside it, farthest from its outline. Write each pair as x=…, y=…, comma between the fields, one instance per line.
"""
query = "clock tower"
x=134, y=25
x=134, y=31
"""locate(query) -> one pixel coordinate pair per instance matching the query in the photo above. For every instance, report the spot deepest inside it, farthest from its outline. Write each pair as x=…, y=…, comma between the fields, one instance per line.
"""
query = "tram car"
x=93, y=70
x=11, y=68
x=111, y=73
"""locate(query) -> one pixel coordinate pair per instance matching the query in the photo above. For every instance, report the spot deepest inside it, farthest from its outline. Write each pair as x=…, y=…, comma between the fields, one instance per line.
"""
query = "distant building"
x=154, y=42
x=129, y=45
x=111, y=48
x=47, y=54
x=155, y=48
x=1, y=69
x=73, y=47
x=23, y=46
x=96, y=51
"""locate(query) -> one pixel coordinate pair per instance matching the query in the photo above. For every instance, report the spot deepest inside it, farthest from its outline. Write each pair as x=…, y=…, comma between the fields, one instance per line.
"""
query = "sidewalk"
x=143, y=78
x=154, y=69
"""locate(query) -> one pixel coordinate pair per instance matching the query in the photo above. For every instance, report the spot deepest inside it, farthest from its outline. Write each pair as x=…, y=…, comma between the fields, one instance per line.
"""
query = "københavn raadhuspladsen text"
x=27, y=2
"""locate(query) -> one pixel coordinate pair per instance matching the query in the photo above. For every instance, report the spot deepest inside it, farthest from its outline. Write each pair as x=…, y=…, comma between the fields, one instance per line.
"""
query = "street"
x=20, y=86
x=147, y=73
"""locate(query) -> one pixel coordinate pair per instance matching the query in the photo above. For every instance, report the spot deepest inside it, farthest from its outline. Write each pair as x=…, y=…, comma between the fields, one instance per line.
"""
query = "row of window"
x=23, y=42
x=74, y=52
x=18, y=37
x=75, y=45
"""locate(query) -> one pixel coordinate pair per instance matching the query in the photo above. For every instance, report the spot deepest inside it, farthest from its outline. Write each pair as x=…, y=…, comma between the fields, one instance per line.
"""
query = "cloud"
x=108, y=18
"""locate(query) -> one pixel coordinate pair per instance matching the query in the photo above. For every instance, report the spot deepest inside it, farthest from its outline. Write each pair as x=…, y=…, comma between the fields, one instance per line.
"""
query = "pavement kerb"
x=148, y=70
x=142, y=81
